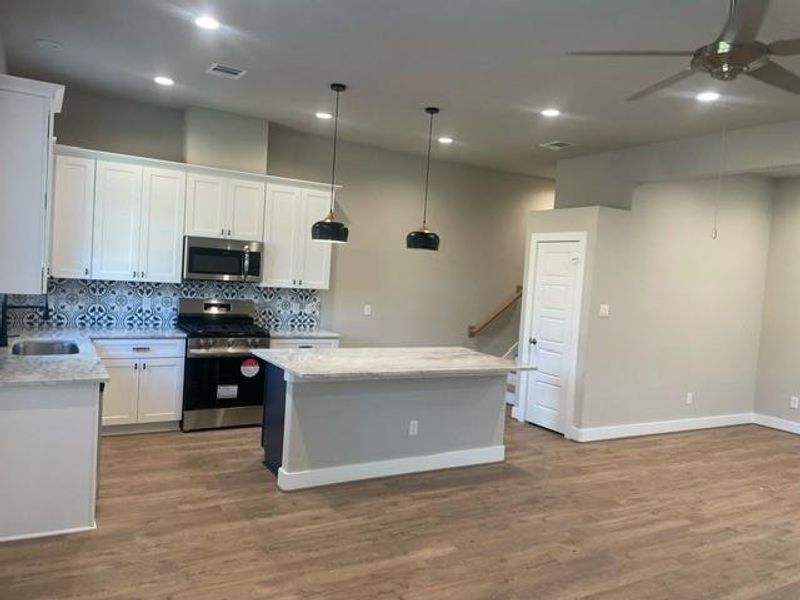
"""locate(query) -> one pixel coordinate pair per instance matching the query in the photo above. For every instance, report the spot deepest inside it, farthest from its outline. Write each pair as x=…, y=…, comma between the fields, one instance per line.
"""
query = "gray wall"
x=117, y=125
x=609, y=178
x=220, y=139
x=779, y=359
x=685, y=308
x=417, y=297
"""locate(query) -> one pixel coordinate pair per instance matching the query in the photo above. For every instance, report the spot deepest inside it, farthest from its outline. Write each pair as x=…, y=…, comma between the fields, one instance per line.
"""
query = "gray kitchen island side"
x=343, y=414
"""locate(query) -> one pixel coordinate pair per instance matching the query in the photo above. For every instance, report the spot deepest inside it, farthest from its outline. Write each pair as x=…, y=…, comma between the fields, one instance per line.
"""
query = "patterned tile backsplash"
x=78, y=303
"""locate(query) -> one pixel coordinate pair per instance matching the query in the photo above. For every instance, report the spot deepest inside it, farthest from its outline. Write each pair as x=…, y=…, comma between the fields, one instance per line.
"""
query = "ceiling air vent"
x=555, y=146
x=225, y=71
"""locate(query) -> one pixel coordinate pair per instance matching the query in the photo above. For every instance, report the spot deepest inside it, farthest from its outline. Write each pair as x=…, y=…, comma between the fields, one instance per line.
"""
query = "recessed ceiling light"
x=708, y=96
x=206, y=22
x=164, y=80
x=324, y=116
x=445, y=140
x=550, y=112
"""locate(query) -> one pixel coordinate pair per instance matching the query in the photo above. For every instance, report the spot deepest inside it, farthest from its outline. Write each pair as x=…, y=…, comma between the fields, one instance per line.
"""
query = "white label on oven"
x=225, y=392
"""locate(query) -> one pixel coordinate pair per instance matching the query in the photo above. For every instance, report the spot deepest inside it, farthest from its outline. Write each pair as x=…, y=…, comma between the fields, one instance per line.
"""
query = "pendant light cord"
x=335, y=137
x=427, y=171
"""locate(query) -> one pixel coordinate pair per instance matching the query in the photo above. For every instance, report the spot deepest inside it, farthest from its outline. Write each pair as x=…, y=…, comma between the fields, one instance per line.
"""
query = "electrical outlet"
x=794, y=402
x=147, y=303
x=413, y=428
x=368, y=310
x=689, y=397
x=605, y=311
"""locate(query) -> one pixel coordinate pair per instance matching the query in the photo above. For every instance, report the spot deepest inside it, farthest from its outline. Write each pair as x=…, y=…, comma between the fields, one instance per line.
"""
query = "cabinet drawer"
x=301, y=343
x=142, y=348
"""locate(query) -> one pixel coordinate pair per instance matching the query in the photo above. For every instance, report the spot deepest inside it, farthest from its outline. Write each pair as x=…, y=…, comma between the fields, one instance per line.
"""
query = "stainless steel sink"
x=44, y=347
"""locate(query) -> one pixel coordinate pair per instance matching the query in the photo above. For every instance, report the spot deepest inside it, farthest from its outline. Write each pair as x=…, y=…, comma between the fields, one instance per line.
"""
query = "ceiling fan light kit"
x=735, y=52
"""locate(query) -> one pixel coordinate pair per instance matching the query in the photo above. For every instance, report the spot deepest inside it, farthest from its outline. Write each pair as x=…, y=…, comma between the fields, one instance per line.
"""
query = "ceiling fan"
x=735, y=52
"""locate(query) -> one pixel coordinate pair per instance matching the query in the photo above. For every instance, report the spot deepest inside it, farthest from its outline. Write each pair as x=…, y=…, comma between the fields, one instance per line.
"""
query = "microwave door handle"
x=246, y=263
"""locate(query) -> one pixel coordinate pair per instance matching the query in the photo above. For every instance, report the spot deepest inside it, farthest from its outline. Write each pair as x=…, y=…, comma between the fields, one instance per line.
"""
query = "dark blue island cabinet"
x=274, y=416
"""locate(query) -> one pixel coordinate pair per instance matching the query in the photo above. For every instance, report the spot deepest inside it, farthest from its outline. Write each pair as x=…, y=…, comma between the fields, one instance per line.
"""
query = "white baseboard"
x=592, y=434
x=777, y=423
x=31, y=536
x=383, y=468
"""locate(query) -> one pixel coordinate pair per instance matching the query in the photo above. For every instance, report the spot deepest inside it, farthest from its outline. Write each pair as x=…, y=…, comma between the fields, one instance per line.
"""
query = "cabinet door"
x=315, y=271
x=206, y=209
x=161, y=245
x=73, y=207
x=245, y=210
x=117, y=211
x=280, y=247
x=160, y=390
x=122, y=389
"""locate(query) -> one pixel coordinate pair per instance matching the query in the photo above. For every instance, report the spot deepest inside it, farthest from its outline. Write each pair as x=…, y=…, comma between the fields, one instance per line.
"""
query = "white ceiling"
x=490, y=64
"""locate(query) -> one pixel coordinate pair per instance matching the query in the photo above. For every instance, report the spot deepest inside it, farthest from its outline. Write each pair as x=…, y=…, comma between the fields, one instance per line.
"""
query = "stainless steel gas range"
x=223, y=385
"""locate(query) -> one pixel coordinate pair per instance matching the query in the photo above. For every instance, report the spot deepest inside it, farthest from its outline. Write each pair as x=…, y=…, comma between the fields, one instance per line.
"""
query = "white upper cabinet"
x=117, y=212
x=280, y=249
x=316, y=271
x=292, y=259
x=138, y=223
x=26, y=127
x=224, y=207
x=206, y=205
x=73, y=208
x=245, y=210
x=161, y=238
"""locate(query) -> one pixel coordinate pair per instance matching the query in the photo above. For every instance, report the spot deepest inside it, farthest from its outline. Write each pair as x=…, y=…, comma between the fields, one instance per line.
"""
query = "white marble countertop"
x=325, y=364
x=83, y=367
x=303, y=334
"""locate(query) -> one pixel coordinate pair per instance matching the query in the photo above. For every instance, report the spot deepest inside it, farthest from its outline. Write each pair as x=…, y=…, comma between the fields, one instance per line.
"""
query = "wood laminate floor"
x=711, y=514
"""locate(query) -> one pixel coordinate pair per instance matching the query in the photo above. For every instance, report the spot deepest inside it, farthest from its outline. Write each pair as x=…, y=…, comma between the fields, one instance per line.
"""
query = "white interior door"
x=161, y=252
x=117, y=213
x=246, y=210
x=73, y=205
x=280, y=246
x=316, y=256
x=206, y=205
x=160, y=390
x=552, y=317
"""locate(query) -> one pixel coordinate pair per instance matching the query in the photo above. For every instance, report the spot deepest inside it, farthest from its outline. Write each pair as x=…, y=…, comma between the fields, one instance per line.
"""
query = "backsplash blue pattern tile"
x=79, y=303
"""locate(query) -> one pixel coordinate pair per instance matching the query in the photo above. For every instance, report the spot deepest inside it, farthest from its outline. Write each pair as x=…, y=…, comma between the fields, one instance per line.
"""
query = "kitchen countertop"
x=298, y=334
x=327, y=364
x=83, y=367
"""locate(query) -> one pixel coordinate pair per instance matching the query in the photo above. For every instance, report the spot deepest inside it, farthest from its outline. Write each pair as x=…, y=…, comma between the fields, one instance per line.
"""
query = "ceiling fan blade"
x=631, y=53
x=744, y=21
x=785, y=47
x=662, y=84
x=775, y=75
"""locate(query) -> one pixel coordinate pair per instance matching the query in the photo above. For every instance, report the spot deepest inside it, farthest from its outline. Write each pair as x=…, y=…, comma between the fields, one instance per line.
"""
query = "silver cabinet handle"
x=305, y=347
x=134, y=274
x=141, y=348
x=533, y=341
x=229, y=232
x=142, y=274
x=144, y=366
x=86, y=270
x=135, y=366
x=222, y=232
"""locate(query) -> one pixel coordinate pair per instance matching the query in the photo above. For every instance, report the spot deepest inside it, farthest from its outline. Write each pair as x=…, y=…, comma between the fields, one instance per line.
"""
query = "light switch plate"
x=794, y=402
x=605, y=311
x=368, y=310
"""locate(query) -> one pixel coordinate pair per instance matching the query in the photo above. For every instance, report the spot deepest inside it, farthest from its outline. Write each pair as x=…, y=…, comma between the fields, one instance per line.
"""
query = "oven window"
x=213, y=261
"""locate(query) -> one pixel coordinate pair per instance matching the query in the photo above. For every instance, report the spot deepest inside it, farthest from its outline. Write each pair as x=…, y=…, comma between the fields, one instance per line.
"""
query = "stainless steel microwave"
x=221, y=260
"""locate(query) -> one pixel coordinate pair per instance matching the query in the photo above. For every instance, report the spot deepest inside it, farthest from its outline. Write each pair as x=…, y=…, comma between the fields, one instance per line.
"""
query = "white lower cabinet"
x=146, y=380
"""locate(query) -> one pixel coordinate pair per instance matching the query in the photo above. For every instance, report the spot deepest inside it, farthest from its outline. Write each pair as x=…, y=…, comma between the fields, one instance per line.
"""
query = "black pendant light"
x=423, y=238
x=329, y=229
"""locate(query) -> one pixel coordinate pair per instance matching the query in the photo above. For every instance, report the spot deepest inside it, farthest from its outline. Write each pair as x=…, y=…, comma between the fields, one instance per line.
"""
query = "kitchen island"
x=342, y=414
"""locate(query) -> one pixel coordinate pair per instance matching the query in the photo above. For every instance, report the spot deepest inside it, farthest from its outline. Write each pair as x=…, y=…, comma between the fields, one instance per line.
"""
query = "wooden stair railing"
x=474, y=330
